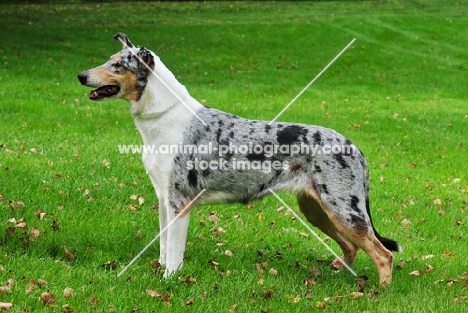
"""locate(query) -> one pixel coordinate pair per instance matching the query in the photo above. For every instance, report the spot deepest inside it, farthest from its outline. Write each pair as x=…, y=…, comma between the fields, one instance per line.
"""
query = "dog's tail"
x=390, y=244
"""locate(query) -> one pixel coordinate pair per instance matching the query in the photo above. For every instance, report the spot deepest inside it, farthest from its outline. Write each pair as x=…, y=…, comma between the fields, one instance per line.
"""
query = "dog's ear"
x=147, y=58
x=124, y=40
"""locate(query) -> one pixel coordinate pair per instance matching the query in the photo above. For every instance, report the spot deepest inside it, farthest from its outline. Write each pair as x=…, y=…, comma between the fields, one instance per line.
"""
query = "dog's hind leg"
x=351, y=231
x=316, y=216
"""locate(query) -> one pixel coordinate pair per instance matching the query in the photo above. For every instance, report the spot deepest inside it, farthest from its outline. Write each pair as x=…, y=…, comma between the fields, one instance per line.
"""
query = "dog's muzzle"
x=101, y=93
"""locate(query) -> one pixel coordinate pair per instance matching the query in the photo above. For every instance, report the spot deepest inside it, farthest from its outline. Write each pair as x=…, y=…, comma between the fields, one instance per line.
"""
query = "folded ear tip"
x=119, y=35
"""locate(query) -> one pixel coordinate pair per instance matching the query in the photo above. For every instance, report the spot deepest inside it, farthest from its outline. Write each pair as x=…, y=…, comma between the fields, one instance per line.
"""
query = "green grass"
x=399, y=93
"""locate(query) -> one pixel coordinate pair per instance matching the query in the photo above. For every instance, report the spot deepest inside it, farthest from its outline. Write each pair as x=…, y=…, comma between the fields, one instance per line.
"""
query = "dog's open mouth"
x=104, y=92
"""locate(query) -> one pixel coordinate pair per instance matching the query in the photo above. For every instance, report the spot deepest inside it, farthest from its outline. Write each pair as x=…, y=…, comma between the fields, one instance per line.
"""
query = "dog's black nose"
x=82, y=77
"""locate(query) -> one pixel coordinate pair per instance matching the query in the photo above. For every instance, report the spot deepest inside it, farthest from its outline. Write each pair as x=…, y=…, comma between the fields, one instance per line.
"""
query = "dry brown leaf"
x=69, y=255
x=39, y=214
x=267, y=294
x=21, y=224
x=141, y=200
x=213, y=217
x=41, y=283
x=228, y=253
x=190, y=302
x=259, y=269
x=5, y=306
x=93, y=301
x=133, y=197
x=233, y=307
x=406, y=223
x=437, y=201
x=67, y=292
x=5, y=289
x=273, y=272
x=320, y=305
x=356, y=295
x=427, y=257
x=48, y=299
x=308, y=294
x=309, y=281
x=152, y=293
x=35, y=232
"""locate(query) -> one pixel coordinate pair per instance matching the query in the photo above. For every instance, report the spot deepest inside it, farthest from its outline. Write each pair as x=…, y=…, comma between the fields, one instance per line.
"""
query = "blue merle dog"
x=332, y=188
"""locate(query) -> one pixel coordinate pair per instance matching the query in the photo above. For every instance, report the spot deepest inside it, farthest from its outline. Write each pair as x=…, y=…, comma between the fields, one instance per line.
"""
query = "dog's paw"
x=338, y=263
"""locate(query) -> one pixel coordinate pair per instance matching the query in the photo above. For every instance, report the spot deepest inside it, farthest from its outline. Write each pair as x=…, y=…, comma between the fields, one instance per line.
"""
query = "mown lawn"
x=74, y=211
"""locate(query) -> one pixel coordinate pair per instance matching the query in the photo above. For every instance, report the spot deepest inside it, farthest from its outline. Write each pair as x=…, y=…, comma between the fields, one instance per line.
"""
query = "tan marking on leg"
x=350, y=239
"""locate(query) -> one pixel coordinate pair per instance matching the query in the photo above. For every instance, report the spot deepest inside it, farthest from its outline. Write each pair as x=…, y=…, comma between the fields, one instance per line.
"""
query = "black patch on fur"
x=267, y=128
x=355, y=219
x=256, y=157
x=354, y=204
x=322, y=188
x=317, y=169
x=231, y=134
x=291, y=134
x=218, y=133
x=317, y=137
x=192, y=178
x=341, y=160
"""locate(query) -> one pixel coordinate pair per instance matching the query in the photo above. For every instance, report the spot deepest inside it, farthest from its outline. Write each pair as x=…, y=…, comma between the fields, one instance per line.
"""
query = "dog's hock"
x=147, y=58
x=124, y=39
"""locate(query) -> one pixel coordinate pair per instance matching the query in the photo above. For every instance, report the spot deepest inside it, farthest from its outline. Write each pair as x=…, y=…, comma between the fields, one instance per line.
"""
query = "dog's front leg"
x=163, y=209
x=176, y=240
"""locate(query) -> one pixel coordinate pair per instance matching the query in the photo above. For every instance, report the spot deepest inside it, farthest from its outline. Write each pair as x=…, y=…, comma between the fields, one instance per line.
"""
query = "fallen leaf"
x=308, y=294
x=228, y=253
x=39, y=214
x=5, y=306
x=5, y=289
x=259, y=269
x=320, y=305
x=35, y=232
x=273, y=272
x=190, y=302
x=152, y=293
x=67, y=292
x=356, y=295
x=141, y=200
x=437, y=201
x=93, y=301
x=233, y=307
x=41, y=283
x=133, y=197
x=406, y=223
x=267, y=294
x=315, y=271
x=48, y=299
x=21, y=224
x=213, y=217
x=309, y=281
x=427, y=257
x=68, y=253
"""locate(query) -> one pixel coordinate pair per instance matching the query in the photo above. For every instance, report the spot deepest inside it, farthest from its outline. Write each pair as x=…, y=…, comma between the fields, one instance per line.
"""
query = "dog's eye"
x=117, y=67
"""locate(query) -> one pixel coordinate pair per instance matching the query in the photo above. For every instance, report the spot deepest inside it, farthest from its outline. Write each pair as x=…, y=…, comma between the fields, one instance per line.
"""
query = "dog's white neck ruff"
x=164, y=107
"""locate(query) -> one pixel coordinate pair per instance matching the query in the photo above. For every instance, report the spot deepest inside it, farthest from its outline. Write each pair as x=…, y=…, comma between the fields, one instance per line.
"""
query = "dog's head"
x=124, y=76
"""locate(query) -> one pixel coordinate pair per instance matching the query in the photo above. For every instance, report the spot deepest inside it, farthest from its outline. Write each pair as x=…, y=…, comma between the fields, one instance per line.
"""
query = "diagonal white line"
x=313, y=233
x=162, y=81
x=312, y=81
x=159, y=234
